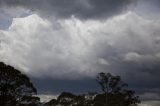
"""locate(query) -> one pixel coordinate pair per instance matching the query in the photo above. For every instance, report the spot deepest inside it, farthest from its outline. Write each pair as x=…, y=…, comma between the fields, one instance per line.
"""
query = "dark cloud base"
x=79, y=8
x=49, y=86
x=56, y=86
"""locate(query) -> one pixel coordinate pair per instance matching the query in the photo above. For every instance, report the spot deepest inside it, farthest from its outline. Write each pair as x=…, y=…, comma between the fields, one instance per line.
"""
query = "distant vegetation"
x=16, y=89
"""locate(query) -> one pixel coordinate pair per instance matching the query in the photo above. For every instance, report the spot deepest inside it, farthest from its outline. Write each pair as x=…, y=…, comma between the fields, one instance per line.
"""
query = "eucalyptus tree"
x=115, y=91
x=15, y=87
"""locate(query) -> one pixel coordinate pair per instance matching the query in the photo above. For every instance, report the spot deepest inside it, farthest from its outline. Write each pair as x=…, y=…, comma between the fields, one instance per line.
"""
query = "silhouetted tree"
x=16, y=88
x=52, y=102
x=115, y=92
x=68, y=99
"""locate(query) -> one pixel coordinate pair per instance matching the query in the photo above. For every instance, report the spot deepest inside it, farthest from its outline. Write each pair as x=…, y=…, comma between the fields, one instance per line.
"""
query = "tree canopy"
x=115, y=93
x=15, y=87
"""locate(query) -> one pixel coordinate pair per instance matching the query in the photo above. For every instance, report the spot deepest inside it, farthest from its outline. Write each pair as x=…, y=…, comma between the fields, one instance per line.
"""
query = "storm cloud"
x=76, y=49
x=66, y=8
x=68, y=42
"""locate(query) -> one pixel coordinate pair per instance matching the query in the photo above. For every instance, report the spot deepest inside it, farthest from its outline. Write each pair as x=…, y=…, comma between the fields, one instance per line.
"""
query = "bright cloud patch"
x=150, y=103
x=71, y=48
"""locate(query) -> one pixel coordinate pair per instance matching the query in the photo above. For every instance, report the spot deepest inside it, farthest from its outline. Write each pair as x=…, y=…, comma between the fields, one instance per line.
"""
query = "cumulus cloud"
x=126, y=45
x=39, y=46
x=70, y=46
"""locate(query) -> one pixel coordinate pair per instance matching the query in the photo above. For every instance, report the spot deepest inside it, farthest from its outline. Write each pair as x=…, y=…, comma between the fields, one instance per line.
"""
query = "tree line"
x=16, y=89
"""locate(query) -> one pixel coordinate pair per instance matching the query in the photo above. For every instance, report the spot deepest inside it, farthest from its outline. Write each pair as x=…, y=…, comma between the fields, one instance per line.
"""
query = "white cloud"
x=150, y=96
x=136, y=57
x=73, y=48
x=150, y=103
x=132, y=57
x=103, y=61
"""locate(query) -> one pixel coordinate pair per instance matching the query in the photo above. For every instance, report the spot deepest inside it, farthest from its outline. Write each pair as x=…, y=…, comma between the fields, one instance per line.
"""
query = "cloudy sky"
x=62, y=44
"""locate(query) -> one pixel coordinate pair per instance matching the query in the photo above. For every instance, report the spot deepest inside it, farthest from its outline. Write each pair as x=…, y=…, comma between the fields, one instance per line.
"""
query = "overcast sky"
x=63, y=44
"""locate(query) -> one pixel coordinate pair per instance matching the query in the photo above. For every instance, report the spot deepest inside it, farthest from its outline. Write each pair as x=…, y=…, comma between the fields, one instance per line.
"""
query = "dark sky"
x=66, y=8
x=64, y=44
